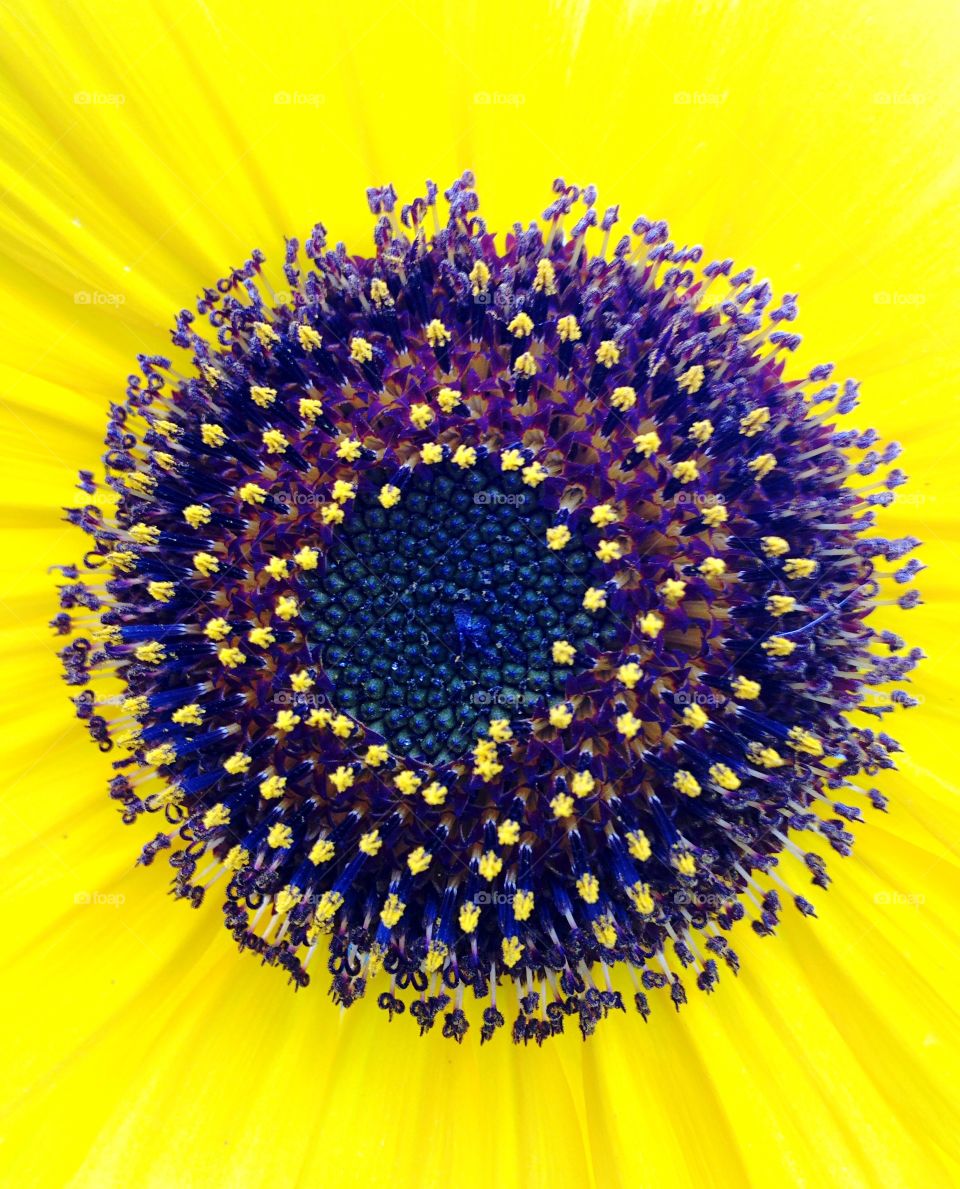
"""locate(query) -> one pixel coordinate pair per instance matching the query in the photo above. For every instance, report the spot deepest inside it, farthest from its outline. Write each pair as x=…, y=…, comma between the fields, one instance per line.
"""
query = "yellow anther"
x=163, y=459
x=561, y=716
x=609, y=551
x=508, y=832
x=511, y=460
x=500, y=730
x=261, y=637
x=237, y=763
x=287, y=607
x=801, y=740
x=766, y=757
x=685, y=864
x=272, y=787
x=319, y=717
x=629, y=674
x=266, y=334
x=230, y=657
x=640, y=897
x=521, y=326
x=623, y=398
x=603, y=515
x=145, y=534
x=546, y=279
x=435, y=793
x=379, y=291
x=638, y=845
x=701, y=432
x=322, y=851
x=196, y=515
x=392, y=910
x=594, y=598
x=161, y=592
x=151, y=653
x=778, y=646
x=341, y=726
x=286, y=899
x=437, y=334
x=713, y=567
x=695, y=717
x=138, y=706
x=651, y=624
x=479, y=277
x=568, y=328
x=217, y=629
x=448, y=399
x=205, y=564
x=714, y=515
x=169, y=429
x=781, y=604
x=605, y=930
x=371, y=842
x=349, y=449
x=431, y=452
x=407, y=783
x=692, y=379
x=800, y=567
x=774, y=546
x=523, y=905
x=264, y=397
x=328, y=906
x=534, y=474
x=685, y=471
x=139, y=481
x=490, y=865
x=307, y=558
x=342, y=491
x=511, y=950
x=217, y=815
x=558, y=535
x=762, y=465
x=562, y=805
x=672, y=590
x=628, y=725
x=376, y=755
x=213, y=435
x=647, y=443
x=301, y=681
x=332, y=514
x=754, y=421
x=525, y=365
x=164, y=753
x=236, y=859
x=389, y=495
x=342, y=778
x=252, y=493
x=608, y=353
x=421, y=415
x=686, y=783
x=189, y=715
x=285, y=721
x=588, y=888
x=744, y=688
x=309, y=409
x=308, y=338
x=583, y=784
x=360, y=350
x=436, y=956
x=418, y=860
x=468, y=916
x=563, y=652
x=275, y=441
x=725, y=777
x=464, y=457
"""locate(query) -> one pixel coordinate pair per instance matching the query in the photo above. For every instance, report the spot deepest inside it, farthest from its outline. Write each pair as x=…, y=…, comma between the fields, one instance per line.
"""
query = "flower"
x=552, y=551
x=818, y=150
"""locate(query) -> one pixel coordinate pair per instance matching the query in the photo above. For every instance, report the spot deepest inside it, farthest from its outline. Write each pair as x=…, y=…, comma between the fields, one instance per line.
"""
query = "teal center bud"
x=440, y=613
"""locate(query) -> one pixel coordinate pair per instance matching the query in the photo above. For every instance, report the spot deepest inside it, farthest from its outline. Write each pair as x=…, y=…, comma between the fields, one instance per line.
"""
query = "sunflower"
x=461, y=606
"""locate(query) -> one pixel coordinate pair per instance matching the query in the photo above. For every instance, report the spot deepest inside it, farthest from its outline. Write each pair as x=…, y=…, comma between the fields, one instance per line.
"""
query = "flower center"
x=432, y=614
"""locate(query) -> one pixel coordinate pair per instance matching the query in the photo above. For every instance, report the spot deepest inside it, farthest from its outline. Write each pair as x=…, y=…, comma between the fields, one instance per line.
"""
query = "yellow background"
x=146, y=147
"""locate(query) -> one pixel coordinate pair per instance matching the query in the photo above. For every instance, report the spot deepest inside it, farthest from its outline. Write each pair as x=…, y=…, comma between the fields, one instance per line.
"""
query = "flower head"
x=423, y=603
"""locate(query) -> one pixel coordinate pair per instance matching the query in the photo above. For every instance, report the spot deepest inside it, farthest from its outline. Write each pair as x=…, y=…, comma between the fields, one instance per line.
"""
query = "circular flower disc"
x=489, y=620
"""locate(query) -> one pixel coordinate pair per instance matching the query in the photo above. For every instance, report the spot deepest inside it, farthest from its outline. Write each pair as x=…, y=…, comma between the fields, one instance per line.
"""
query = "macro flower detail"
x=488, y=621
